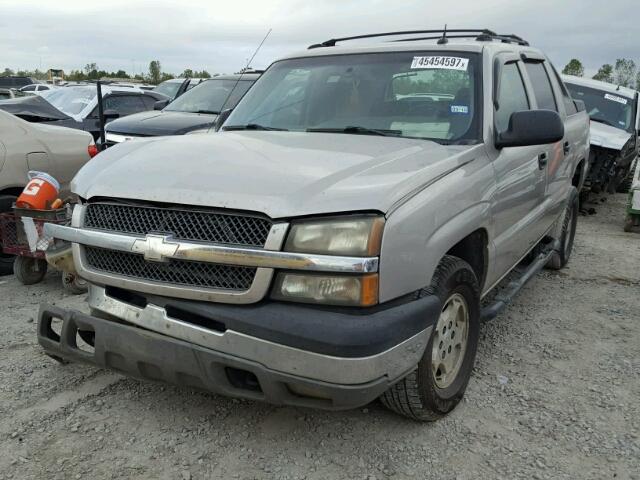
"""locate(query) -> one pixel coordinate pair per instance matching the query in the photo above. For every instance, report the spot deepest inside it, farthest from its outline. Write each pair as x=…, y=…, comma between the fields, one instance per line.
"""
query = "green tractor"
x=633, y=204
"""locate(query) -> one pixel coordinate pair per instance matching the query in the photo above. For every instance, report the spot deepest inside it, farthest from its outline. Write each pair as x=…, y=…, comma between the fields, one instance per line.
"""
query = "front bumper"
x=146, y=342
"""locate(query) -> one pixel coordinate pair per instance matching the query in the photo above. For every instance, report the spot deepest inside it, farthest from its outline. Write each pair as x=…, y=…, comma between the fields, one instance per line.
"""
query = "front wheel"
x=438, y=383
x=560, y=257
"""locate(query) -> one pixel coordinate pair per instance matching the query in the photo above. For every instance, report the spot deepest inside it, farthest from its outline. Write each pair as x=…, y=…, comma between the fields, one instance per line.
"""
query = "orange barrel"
x=40, y=192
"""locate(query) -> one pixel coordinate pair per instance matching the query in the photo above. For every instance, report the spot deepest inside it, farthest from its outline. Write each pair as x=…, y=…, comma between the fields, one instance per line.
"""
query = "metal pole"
x=101, y=116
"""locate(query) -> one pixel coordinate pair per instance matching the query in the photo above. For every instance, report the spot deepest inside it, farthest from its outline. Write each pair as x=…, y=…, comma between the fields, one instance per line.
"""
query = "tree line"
x=91, y=71
x=624, y=72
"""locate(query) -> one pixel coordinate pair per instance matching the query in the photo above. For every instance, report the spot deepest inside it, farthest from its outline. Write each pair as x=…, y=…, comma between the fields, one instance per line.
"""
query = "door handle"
x=542, y=161
x=566, y=147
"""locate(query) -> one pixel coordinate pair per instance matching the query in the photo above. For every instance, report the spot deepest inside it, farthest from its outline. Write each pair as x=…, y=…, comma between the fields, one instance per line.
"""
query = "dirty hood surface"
x=606, y=136
x=160, y=123
x=281, y=174
x=32, y=106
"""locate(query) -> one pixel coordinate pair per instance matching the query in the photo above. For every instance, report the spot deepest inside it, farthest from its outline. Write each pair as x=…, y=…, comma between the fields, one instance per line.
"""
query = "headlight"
x=349, y=236
x=355, y=236
x=344, y=290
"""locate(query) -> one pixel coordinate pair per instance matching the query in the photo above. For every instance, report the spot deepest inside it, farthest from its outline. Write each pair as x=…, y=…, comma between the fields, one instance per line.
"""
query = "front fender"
x=420, y=232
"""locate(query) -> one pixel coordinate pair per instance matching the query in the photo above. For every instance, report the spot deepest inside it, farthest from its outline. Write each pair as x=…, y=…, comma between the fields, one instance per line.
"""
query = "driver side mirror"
x=160, y=104
x=222, y=118
x=531, y=127
x=110, y=115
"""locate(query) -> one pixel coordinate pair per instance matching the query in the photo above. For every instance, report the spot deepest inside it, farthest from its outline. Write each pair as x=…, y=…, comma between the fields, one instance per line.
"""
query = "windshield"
x=612, y=109
x=70, y=100
x=210, y=96
x=168, y=88
x=407, y=94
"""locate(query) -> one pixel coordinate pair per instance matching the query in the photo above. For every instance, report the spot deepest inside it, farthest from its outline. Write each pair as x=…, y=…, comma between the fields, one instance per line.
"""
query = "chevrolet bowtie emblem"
x=155, y=248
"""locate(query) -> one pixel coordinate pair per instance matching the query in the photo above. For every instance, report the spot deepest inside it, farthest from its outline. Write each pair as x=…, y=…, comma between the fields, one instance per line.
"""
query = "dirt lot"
x=555, y=394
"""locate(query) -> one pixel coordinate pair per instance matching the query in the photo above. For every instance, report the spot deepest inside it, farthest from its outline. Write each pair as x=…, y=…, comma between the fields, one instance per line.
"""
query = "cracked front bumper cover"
x=148, y=355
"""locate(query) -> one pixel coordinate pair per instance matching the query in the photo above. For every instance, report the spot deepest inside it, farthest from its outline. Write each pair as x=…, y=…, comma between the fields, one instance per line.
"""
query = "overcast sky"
x=220, y=36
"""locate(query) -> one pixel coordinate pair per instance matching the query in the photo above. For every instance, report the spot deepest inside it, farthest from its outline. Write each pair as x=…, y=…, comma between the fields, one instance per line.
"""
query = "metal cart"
x=22, y=234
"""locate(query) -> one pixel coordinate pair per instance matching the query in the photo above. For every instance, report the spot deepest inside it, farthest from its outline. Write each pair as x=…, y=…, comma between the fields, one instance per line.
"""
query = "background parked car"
x=28, y=146
x=197, y=109
x=37, y=88
x=16, y=82
x=77, y=107
x=6, y=93
x=614, y=115
x=177, y=86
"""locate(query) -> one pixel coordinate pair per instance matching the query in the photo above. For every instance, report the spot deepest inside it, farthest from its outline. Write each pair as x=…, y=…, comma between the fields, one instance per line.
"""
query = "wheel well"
x=473, y=250
x=577, y=179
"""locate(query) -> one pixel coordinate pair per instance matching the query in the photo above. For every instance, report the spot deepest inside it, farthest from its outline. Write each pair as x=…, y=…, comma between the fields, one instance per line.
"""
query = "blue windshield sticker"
x=463, y=109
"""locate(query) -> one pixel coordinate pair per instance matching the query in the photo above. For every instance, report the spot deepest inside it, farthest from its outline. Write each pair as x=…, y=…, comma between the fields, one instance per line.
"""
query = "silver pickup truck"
x=332, y=243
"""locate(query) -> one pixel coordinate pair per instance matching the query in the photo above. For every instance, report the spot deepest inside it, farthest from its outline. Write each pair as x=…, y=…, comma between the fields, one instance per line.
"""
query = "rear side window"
x=124, y=104
x=569, y=104
x=512, y=96
x=541, y=86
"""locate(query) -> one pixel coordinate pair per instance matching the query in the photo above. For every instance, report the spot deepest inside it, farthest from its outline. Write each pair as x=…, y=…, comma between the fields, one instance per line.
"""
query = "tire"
x=426, y=394
x=73, y=284
x=625, y=185
x=6, y=261
x=628, y=223
x=29, y=270
x=560, y=258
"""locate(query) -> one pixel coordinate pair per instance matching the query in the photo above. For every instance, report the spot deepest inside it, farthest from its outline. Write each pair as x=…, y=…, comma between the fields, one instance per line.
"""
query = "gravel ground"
x=554, y=395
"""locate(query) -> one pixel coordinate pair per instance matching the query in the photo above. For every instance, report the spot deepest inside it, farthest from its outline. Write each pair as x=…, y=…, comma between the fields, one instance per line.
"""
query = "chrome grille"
x=176, y=272
x=182, y=224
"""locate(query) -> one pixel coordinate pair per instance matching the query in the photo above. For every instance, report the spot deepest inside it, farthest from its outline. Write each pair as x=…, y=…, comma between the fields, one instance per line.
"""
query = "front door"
x=518, y=202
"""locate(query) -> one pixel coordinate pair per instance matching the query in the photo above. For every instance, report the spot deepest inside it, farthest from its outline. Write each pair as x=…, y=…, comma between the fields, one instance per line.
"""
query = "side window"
x=569, y=105
x=541, y=85
x=30, y=88
x=149, y=102
x=124, y=104
x=512, y=96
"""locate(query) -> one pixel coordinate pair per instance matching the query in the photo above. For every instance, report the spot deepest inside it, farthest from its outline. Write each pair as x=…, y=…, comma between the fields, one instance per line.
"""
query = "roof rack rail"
x=442, y=36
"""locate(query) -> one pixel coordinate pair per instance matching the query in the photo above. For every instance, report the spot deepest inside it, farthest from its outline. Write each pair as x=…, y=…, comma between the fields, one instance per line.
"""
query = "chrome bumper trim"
x=392, y=363
x=202, y=252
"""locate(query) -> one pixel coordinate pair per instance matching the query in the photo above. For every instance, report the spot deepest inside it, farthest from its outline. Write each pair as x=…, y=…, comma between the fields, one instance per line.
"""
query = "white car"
x=26, y=146
x=615, y=121
x=37, y=88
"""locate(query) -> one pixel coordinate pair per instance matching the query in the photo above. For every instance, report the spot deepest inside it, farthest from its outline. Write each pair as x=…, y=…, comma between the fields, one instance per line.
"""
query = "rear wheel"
x=6, y=261
x=560, y=257
x=438, y=383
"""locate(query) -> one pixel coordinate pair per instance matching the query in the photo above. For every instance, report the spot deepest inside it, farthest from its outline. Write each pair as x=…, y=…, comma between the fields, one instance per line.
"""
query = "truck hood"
x=607, y=136
x=32, y=106
x=281, y=174
x=155, y=123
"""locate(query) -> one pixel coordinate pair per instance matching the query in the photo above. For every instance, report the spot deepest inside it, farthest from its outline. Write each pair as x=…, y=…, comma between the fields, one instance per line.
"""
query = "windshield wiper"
x=210, y=112
x=359, y=131
x=253, y=126
x=601, y=120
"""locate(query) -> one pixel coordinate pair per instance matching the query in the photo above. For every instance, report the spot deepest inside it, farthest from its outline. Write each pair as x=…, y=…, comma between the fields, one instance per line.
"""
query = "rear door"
x=561, y=156
x=520, y=179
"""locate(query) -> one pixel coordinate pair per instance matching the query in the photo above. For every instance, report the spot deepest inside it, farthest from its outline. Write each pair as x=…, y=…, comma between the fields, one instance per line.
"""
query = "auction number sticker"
x=615, y=98
x=447, y=63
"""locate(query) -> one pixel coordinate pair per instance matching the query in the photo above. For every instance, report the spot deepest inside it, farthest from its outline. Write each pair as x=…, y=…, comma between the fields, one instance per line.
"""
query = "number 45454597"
x=448, y=63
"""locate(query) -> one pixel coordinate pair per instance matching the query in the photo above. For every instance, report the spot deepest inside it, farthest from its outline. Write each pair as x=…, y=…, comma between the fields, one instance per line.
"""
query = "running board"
x=504, y=298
